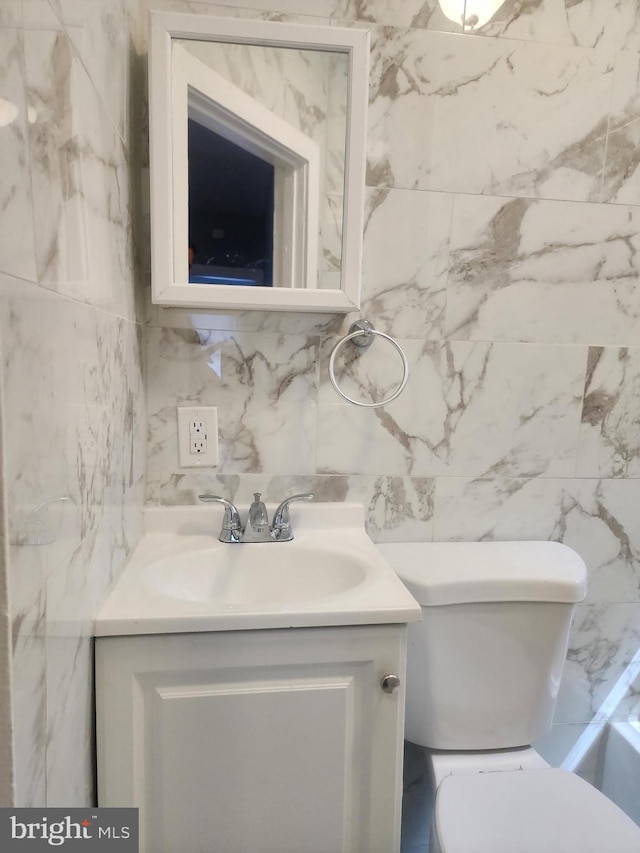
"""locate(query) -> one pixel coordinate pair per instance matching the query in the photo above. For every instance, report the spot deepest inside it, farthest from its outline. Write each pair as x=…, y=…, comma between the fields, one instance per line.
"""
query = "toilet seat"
x=529, y=811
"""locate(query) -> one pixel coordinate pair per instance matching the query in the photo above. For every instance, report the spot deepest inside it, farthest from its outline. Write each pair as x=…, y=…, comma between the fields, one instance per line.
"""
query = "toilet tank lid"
x=439, y=573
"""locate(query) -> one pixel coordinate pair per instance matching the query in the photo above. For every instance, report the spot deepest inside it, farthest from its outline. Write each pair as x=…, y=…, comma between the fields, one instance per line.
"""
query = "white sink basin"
x=273, y=573
x=180, y=578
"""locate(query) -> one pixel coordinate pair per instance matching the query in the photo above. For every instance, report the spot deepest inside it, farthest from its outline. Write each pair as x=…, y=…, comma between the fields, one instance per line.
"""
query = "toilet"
x=483, y=672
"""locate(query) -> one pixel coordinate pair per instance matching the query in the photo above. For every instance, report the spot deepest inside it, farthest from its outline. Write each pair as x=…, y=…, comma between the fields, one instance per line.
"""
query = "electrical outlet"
x=198, y=444
x=197, y=436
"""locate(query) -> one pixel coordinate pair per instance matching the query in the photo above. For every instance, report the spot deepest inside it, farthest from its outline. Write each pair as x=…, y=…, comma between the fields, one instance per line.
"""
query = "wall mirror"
x=257, y=160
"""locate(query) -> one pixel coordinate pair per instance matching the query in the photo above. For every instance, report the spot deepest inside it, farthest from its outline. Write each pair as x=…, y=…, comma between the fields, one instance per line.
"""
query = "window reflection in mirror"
x=268, y=208
x=231, y=202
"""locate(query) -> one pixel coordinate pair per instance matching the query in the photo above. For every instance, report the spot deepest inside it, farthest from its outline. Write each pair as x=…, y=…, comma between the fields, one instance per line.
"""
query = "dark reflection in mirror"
x=231, y=204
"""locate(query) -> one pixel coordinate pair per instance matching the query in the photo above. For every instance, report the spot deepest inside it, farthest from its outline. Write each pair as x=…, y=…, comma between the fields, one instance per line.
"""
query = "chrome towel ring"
x=361, y=335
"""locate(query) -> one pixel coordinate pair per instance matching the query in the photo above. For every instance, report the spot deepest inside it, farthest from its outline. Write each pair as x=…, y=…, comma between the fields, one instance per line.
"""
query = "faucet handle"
x=281, y=525
x=231, y=529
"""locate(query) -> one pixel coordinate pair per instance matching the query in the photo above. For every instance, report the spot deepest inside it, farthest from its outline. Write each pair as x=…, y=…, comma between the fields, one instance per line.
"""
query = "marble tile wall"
x=71, y=378
x=501, y=250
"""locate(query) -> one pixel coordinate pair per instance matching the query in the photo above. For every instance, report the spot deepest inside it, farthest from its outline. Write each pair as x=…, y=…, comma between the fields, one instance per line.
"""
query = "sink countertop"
x=135, y=604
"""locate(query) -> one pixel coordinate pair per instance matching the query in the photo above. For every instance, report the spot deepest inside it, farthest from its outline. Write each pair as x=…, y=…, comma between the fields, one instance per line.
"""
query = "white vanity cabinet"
x=254, y=741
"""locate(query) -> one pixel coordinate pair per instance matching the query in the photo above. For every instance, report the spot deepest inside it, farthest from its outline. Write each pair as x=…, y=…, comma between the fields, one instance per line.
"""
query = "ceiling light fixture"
x=471, y=14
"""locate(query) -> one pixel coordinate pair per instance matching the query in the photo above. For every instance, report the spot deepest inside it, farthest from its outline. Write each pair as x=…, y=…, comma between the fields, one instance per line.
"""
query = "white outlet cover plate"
x=208, y=414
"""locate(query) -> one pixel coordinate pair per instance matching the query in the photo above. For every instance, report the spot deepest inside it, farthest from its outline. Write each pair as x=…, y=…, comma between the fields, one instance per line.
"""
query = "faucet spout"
x=257, y=526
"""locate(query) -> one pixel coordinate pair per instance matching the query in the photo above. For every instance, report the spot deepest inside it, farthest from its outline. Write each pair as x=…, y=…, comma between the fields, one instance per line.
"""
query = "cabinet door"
x=254, y=741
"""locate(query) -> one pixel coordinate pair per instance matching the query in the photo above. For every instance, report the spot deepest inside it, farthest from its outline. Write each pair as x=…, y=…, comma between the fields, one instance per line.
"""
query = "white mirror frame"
x=167, y=147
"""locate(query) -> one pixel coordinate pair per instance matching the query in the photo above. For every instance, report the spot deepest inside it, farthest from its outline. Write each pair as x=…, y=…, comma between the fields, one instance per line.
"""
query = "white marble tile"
x=264, y=387
x=71, y=377
x=99, y=33
x=520, y=267
x=152, y=487
x=422, y=14
x=608, y=22
x=405, y=261
x=621, y=183
x=73, y=592
x=481, y=409
x=476, y=509
x=35, y=469
x=37, y=464
x=609, y=538
x=608, y=445
x=603, y=641
x=483, y=115
x=337, y=124
x=398, y=509
x=73, y=385
x=530, y=20
x=402, y=82
x=306, y=102
x=80, y=181
x=11, y=14
x=28, y=701
x=286, y=11
x=323, y=8
x=594, y=517
x=70, y=721
x=401, y=438
x=330, y=244
x=17, y=255
x=39, y=15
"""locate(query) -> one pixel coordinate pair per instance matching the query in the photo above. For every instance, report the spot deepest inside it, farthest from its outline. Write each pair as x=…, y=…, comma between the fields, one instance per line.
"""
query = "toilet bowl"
x=483, y=673
x=528, y=811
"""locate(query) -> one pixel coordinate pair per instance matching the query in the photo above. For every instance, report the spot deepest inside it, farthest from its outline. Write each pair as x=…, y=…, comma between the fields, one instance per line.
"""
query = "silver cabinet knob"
x=389, y=683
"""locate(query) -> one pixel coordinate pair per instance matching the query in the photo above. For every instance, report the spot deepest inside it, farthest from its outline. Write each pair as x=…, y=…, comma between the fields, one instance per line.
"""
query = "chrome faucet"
x=257, y=528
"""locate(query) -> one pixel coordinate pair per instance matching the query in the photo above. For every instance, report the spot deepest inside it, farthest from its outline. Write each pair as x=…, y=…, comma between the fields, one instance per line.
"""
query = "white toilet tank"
x=484, y=664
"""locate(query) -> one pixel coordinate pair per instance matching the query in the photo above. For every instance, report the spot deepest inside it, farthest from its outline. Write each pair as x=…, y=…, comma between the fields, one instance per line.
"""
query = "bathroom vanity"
x=242, y=708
